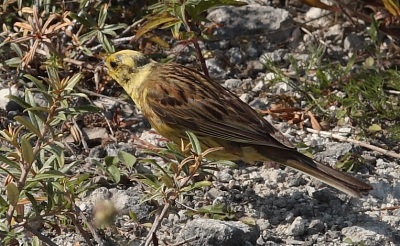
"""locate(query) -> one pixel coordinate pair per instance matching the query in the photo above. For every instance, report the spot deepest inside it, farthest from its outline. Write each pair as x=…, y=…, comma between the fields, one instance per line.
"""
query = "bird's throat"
x=134, y=82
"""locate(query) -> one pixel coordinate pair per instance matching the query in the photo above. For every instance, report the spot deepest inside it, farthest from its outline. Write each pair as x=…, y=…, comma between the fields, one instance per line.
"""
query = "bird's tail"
x=326, y=174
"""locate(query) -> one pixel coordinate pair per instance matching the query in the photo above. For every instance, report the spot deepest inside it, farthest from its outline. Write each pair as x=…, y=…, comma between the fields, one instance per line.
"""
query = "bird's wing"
x=210, y=110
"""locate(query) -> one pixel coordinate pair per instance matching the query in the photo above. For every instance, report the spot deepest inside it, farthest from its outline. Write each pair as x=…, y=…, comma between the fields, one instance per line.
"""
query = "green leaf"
x=226, y=163
x=179, y=11
x=110, y=27
x=111, y=161
x=49, y=163
x=341, y=113
x=27, y=151
x=29, y=98
x=52, y=174
x=153, y=22
x=151, y=181
x=67, y=168
x=88, y=35
x=167, y=180
x=369, y=62
x=202, y=6
x=219, y=216
x=12, y=194
x=205, y=209
x=13, y=62
x=348, y=240
x=33, y=202
x=73, y=81
x=35, y=241
x=87, y=52
x=152, y=161
x=173, y=167
x=126, y=158
x=36, y=118
x=86, y=22
x=39, y=84
x=23, y=121
x=350, y=63
x=8, y=161
x=19, y=101
x=84, y=109
x=42, y=109
x=107, y=44
x=133, y=216
x=109, y=32
x=248, y=221
x=99, y=165
x=58, y=153
x=197, y=185
x=3, y=203
x=148, y=225
x=102, y=16
x=82, y=4
x=115, y=173
x=375, y=128
x=53, y=79
x=194, y=142
x=173, y=147
x=217, y=208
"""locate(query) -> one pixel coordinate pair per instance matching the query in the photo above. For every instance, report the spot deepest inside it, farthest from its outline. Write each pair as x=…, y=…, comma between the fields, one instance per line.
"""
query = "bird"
x=176, y=99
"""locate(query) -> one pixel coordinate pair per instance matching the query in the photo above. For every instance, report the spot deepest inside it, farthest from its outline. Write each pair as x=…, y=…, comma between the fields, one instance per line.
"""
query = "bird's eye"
x=113, y=64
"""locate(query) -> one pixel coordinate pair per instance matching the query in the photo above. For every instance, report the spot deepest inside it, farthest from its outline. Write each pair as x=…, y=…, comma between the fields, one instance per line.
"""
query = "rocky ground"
x=289, y=208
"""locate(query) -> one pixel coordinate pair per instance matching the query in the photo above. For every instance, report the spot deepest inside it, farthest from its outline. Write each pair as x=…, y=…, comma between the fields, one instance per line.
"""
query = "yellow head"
x=125, y=60
x=130, y=69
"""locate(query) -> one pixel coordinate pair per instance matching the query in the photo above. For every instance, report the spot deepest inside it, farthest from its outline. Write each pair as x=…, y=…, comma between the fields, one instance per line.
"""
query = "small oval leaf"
x=12, y=194
x=126, y=158
x=114, y=173
x=27, y=151
x=23, y=121
x=194, y=142
x=375, y=128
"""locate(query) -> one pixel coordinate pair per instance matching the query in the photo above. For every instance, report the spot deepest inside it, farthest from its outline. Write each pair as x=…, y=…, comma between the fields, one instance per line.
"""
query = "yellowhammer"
x=176, y=99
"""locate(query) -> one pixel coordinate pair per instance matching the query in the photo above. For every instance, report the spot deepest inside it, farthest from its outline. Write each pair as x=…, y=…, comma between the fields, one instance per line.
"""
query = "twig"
x=81, y=230
x=96, y=237
x=154, y=239
x=363, y=144
x=100, y=95
x=114, y=41
x=201, y=58
x=129, y=28
x=83, y=141
x=393, y=92
x=380, y=209
x=79, y=63
x=43, y=238
x=187, y=207
x=191, y=239
x=157, y=223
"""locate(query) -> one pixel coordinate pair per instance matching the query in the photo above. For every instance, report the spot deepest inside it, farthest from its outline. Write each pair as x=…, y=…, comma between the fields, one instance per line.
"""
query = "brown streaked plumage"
x=176, y=99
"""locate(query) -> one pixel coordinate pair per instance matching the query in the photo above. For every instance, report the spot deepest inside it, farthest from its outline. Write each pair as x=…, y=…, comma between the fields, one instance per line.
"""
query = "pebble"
x=223, y=233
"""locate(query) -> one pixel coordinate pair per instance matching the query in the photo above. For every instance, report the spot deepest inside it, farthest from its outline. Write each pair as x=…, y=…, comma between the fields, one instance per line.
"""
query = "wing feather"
x=210, y=111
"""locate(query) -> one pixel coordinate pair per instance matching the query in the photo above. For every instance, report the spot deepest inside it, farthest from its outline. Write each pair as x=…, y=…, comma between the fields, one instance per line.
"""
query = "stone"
x=297, y=227
x=250, y=19
x=212, y=232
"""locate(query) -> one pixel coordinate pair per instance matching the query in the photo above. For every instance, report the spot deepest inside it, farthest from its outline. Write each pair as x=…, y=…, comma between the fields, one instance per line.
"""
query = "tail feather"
x=326, y=174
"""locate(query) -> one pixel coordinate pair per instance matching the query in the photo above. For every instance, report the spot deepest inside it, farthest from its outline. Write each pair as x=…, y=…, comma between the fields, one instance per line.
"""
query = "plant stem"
x=157, y=222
